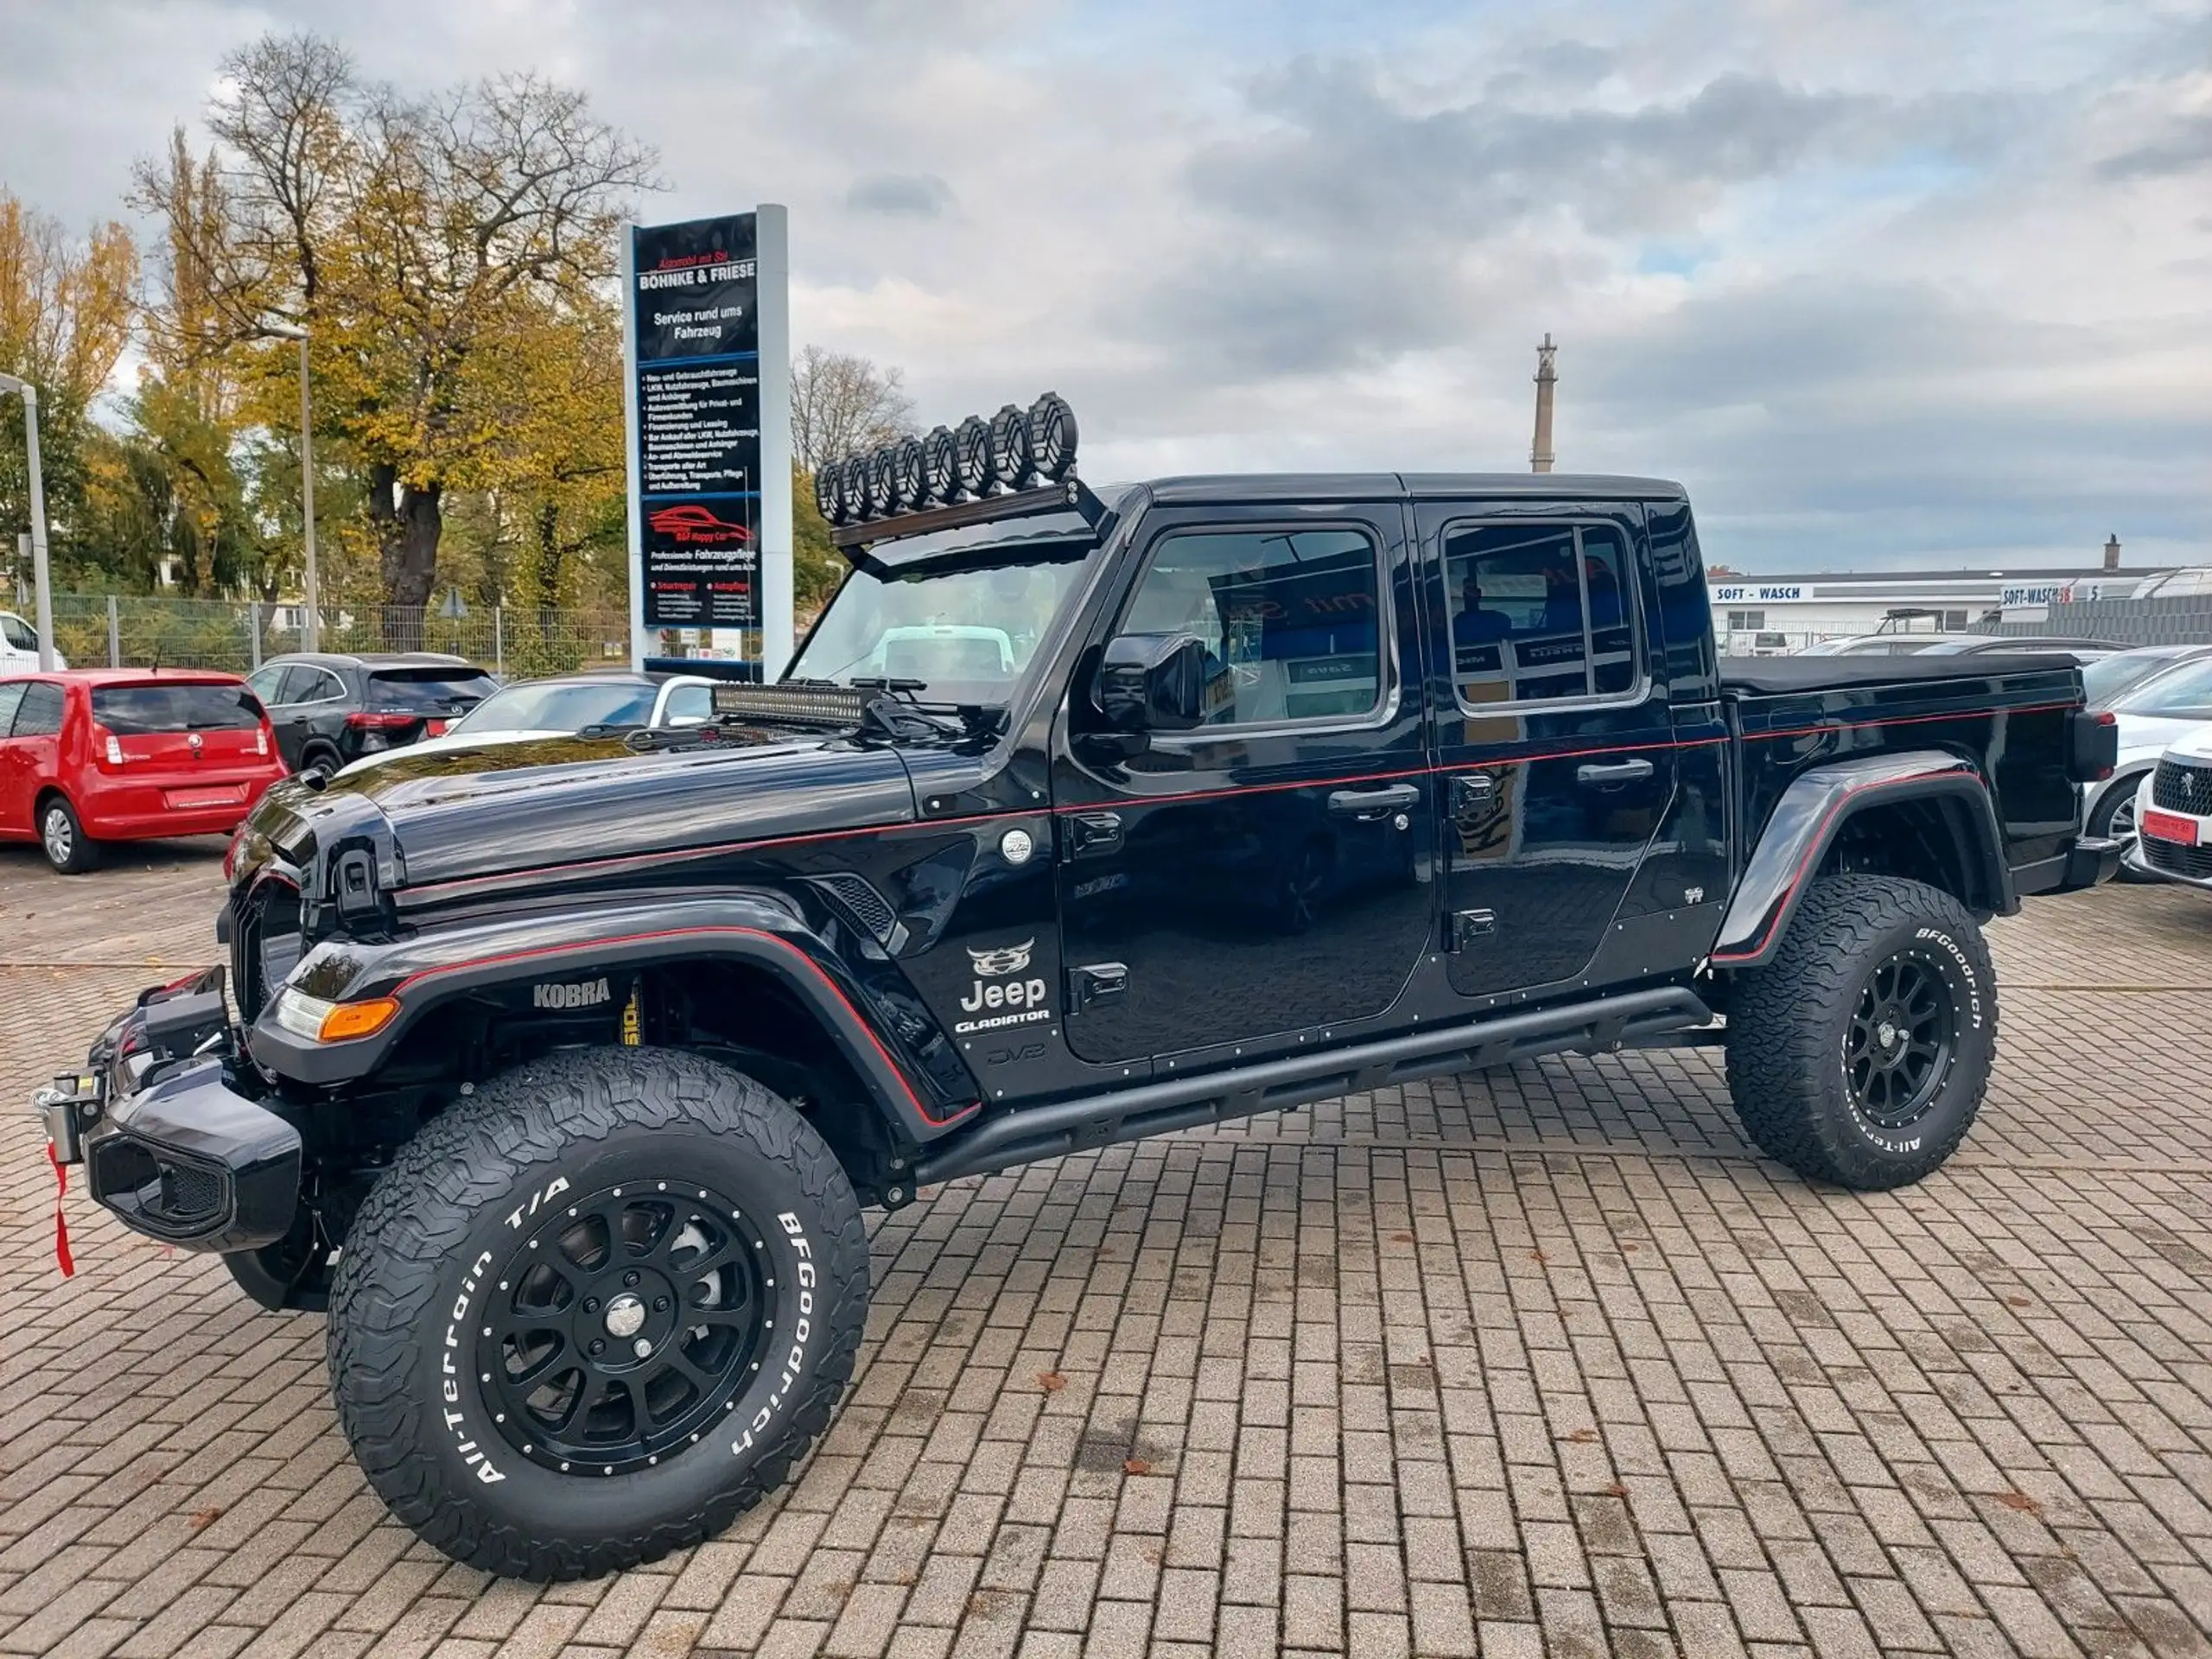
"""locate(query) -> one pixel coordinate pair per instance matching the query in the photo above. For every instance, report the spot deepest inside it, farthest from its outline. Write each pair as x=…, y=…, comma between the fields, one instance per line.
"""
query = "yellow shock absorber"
x=630, y=1014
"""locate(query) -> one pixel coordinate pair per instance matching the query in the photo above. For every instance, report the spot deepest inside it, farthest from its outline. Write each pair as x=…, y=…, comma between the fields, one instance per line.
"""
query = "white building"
x=1787, y=613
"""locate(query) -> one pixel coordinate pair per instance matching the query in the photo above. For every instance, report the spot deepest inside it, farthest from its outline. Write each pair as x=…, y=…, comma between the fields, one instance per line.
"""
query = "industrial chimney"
x=2112, y=554
x=1540, y=452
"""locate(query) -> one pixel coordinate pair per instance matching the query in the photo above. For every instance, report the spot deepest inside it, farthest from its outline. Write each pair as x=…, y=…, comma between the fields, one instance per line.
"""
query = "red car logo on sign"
x=696, y=525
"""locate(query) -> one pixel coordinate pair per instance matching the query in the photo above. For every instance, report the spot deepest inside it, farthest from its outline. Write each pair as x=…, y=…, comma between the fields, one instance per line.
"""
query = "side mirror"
x=1153, y=683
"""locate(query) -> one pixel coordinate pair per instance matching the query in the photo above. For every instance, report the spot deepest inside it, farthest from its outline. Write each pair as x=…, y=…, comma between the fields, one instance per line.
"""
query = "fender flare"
x=1813, y=811
x=428, y=970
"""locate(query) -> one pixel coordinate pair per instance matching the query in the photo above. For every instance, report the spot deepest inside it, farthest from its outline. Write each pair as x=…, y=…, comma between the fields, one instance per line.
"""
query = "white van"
x=19, y=645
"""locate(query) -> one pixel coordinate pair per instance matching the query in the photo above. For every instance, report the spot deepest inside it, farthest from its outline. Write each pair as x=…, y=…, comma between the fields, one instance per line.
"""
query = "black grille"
x=264, y=945
x=2179, y=788
x=2195, y=862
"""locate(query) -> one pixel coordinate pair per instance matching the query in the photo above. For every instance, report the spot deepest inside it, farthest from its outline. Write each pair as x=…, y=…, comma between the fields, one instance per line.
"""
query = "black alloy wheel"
x=594, y=1311
x=625, y=1327
x=1900, y=1039
x=1858, y=1053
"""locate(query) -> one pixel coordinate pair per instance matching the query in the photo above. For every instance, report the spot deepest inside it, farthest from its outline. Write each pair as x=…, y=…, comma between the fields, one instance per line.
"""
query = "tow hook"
x=66, y=1108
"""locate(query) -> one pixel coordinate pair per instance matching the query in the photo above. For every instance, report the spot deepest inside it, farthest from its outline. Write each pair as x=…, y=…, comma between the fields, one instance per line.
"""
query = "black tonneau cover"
x=1781, y=676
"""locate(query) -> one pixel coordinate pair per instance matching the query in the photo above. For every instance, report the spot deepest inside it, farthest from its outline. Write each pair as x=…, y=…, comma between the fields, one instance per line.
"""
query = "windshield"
x=963, y=636
x=558, y=706
x=137, y=709
x=428, y=691
x=2185, y=694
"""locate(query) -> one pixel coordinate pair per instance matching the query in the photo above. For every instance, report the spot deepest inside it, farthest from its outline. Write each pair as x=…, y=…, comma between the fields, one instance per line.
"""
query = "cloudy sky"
x=1884, y=282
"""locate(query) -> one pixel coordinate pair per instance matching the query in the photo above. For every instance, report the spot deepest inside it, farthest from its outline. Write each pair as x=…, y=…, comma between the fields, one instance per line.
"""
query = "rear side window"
x=436, y=691
x=131, y=709
x=1289, y=619
x=17, y=634
x=1540, y=613
x=12, y=693
x=39, y=714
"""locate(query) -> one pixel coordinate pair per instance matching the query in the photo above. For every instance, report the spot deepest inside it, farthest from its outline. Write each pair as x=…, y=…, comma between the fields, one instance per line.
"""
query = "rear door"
x=31, y=755
x=297, y=693
x=1265, y=874
x=15, y=808
x=1552, y=731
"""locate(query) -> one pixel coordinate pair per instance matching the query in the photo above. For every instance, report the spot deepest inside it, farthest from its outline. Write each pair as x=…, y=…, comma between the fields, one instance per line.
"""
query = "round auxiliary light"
x=852, y=489
x=1051, y=437
x=940, y=478
x=972, y=455
x=881, y=496
x=909, y=474
x=1010, y=447
x=829, y=496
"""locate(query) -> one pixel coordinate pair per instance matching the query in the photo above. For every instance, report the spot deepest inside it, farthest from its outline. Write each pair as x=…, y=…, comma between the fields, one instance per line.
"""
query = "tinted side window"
x=1539, y=612
x=11, y=693
x=1289, y=619
x=265, y=681
x=39, y=713
x=303, y=683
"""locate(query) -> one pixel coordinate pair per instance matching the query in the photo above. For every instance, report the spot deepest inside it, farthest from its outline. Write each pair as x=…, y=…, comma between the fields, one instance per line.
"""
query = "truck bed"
x=1788, y=676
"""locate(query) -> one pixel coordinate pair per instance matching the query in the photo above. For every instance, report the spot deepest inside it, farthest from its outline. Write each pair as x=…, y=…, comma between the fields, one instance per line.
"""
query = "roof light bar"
x=1015, y=460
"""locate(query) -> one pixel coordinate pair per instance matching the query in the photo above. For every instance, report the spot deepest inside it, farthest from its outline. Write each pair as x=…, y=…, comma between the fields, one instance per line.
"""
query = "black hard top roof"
x=1354, y=486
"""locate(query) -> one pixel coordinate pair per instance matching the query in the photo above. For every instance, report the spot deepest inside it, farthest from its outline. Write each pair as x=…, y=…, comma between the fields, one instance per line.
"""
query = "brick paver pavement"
x=1543, y=1361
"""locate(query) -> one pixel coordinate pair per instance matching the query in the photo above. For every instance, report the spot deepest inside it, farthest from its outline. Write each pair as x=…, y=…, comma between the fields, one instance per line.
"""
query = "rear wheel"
x=596, y=1311
x=1861, y=1054
x=62, y=838
x=321, y=757
x=2113, y=818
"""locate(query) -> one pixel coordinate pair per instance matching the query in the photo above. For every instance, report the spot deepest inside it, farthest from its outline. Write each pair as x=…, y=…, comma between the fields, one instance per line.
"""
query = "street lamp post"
x=42, y=590
x=311, y=625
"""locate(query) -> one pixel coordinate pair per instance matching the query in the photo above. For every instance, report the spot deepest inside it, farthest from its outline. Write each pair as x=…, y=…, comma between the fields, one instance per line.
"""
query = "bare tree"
x=841, y=403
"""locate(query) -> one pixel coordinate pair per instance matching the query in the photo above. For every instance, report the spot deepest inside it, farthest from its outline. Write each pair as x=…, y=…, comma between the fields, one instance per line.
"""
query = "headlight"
x=332, y=1022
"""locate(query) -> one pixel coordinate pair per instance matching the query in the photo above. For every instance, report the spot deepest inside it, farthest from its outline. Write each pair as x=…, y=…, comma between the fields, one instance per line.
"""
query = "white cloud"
x=1884, y=283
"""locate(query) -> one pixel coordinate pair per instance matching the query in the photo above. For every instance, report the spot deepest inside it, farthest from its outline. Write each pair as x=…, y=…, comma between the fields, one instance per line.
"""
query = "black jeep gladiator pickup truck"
x=1078, y=818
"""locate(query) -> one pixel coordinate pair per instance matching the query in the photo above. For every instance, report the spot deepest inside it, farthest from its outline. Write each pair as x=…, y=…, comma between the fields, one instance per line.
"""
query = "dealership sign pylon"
x=706, y=341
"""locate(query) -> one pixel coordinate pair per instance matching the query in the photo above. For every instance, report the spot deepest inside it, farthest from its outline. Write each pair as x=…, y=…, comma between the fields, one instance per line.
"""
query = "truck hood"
x=585, y=801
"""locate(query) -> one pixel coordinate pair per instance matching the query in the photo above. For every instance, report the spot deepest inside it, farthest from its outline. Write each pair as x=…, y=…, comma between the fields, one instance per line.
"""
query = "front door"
x=1269, y=873
x=1552, y=731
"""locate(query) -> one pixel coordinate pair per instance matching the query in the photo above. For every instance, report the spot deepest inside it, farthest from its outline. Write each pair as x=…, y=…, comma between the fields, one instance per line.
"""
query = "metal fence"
x=2180, y=619
x=136, y=631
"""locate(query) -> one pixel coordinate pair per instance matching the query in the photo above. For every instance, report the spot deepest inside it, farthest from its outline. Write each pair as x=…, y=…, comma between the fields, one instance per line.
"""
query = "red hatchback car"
x=127, y=754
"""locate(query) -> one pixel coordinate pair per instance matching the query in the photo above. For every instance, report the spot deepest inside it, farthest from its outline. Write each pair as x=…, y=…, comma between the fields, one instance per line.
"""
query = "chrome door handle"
x=1373, y=803
x=1611, y=773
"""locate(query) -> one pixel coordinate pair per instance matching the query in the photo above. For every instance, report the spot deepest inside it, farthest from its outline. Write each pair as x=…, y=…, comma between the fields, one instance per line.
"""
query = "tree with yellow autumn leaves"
x=453, y=258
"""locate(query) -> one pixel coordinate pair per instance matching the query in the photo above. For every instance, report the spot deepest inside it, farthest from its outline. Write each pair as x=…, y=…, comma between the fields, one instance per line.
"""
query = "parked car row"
x=93, y=756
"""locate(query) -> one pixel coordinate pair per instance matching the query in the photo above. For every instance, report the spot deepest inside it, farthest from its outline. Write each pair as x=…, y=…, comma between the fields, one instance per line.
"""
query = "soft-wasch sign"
x=695, y=302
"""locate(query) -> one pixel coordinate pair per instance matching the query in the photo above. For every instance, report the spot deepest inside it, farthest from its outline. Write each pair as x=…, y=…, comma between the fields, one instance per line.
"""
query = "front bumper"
x=169, y=1145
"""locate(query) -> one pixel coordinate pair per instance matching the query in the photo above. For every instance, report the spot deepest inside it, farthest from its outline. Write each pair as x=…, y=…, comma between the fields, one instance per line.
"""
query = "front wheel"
x=2113, y=818
x=1860, y=1052
x=596, y=1311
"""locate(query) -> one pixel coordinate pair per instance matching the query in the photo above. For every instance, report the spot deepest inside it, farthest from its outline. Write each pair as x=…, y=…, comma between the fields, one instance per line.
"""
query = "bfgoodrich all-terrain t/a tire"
x=595, y=1311
x=1860, y=1054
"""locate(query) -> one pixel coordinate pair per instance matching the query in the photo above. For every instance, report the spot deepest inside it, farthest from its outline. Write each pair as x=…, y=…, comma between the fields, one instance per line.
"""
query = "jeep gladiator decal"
x=1024, y=1001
